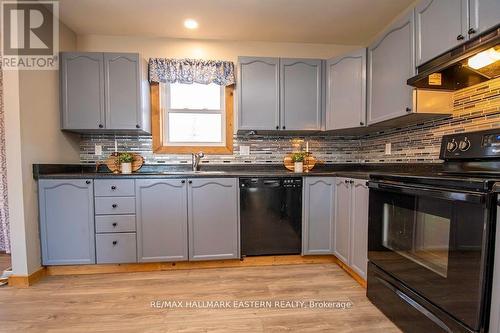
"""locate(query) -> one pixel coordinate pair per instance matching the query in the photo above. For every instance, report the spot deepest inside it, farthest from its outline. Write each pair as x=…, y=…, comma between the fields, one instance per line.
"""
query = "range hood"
x=473, y=62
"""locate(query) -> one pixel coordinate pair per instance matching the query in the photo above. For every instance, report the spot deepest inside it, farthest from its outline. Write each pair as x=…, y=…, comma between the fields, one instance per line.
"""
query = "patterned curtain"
x=191, y=71
x=4, y=210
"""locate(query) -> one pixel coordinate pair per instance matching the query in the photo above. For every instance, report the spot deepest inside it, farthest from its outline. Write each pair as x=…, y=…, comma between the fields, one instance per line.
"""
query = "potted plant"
x=126, y=160
x=298, y=160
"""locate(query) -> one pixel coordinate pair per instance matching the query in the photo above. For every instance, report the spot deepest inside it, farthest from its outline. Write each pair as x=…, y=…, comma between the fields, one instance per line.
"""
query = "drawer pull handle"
x=87, y=182
x=113, y=187
x=115, y=242
x=114, y=205
x=114, y=224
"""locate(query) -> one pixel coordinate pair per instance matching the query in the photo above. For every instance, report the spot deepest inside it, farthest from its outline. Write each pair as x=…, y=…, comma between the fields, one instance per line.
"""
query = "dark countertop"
x=358, y=171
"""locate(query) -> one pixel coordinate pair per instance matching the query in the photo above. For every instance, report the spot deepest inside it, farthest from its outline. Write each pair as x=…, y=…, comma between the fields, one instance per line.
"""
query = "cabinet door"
x=346, y=91
x=391, y=61
x=358, y=259
x=161, y=208
x=440, y=25
x=318, y=215
x=258, y=93
x=301, y=98
x=123, y=91
x=82, y=91
x=66, y=221
x=213, y=218
x=484, y=14
x=342, y=218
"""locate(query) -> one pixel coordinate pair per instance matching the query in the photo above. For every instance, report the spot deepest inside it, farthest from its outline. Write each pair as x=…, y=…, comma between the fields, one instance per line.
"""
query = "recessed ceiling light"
x=190, y=24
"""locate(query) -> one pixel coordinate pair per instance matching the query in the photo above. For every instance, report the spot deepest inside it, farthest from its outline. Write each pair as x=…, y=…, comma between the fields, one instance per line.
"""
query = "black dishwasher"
x=270, y=216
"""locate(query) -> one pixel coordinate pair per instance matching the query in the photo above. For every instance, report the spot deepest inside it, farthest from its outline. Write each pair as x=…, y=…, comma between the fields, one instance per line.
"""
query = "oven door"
x=434, y=241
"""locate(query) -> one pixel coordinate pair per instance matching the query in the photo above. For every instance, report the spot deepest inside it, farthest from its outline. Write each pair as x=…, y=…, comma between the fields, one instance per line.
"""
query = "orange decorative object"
x=113, y=162
x=309, y=162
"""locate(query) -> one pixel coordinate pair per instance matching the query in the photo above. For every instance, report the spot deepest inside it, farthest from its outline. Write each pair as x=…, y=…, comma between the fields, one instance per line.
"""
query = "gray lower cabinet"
x=116, y=248
x=318, y=215
x=301, y=82
x=440, y=25
x=104, y=92
x=82, y=91
x=161, y=206
x=391, y=61
x=67, y=221
x=484, y=14
x=351, y=223
x=346, y=91
x=213, y=214
x=258, y=93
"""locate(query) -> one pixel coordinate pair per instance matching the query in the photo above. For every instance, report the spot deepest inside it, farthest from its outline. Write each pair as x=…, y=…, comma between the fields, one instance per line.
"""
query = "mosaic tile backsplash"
x=475, y=108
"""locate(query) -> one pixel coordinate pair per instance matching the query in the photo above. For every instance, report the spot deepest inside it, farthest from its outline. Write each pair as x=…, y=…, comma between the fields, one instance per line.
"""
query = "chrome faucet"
x=196, y=160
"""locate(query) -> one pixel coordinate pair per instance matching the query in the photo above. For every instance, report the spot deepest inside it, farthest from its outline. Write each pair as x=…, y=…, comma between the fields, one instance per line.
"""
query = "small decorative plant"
x=125, y=158
x=299, y=157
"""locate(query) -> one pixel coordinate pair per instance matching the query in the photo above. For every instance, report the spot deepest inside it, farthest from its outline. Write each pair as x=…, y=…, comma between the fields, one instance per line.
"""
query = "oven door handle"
x=430, y=192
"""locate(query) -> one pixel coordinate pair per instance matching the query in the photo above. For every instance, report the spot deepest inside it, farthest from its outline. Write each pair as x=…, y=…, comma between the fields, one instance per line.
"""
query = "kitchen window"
x=188, y=118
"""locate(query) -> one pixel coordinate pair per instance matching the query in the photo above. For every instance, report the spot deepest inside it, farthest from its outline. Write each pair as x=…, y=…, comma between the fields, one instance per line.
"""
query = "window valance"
x=191, y=71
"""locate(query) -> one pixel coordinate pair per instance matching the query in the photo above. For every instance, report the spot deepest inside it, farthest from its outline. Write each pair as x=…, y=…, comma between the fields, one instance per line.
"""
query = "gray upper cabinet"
x=123, y=97
x=301, y=94
x=391, y=61
x=67, y=221
x=104, y=92
x=359, y=227
x=213, y=218
x=82, y=91
x=484, y=14
x=258, y=93
x=161, y=208
x=318, y=215
x=346, y=91
x=440, y=25
x=342, y=218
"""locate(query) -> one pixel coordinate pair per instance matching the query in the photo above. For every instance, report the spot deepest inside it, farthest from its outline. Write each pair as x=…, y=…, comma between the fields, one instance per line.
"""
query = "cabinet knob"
x=190, y=182
x=115, y=242
x=183, y=181
x=408, y=109
x=471, y=31
x=361, y=123
x=277, y=127
x=284, y=127
x=114, y=224
x=113, y=187
x=460, y=37
x=137, y=126
x=87, y=182
x=101, y=125
x=351, y=181
x=114, y=205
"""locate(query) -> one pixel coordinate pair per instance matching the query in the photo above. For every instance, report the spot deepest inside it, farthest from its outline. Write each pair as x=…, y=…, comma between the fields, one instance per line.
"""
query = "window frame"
x=158, y=114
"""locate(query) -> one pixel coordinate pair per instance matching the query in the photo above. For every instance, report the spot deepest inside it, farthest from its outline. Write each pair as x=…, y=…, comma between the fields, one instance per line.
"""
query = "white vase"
x=298, y=167
x=126, y=168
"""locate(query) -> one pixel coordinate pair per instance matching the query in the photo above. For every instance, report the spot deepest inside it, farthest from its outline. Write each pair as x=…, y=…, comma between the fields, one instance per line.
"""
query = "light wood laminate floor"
x=122, y=302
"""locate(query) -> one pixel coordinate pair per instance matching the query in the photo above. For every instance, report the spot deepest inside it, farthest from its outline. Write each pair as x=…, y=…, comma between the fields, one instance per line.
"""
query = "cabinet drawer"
x=116, y=248
x=114, y=205
x=114, y=187
x=114, y=223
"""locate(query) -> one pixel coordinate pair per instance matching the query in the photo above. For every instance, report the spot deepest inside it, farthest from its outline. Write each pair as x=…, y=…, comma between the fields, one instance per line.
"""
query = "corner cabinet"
x=391, y=61
x=213, y=218
x=318, y=215
x=301, y=94
x=346, y=91
x=161, y=208
x=258, y=93
x=280, y=94
x=67, y=221
x=351, y=223
x=104, y=92
x=483, y=15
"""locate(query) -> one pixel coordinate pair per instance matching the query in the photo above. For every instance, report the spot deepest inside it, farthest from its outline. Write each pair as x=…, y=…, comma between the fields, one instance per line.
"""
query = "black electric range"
x=432, y=236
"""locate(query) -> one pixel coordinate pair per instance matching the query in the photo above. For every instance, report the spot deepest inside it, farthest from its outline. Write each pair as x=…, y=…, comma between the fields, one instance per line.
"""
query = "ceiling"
x=352, y=22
